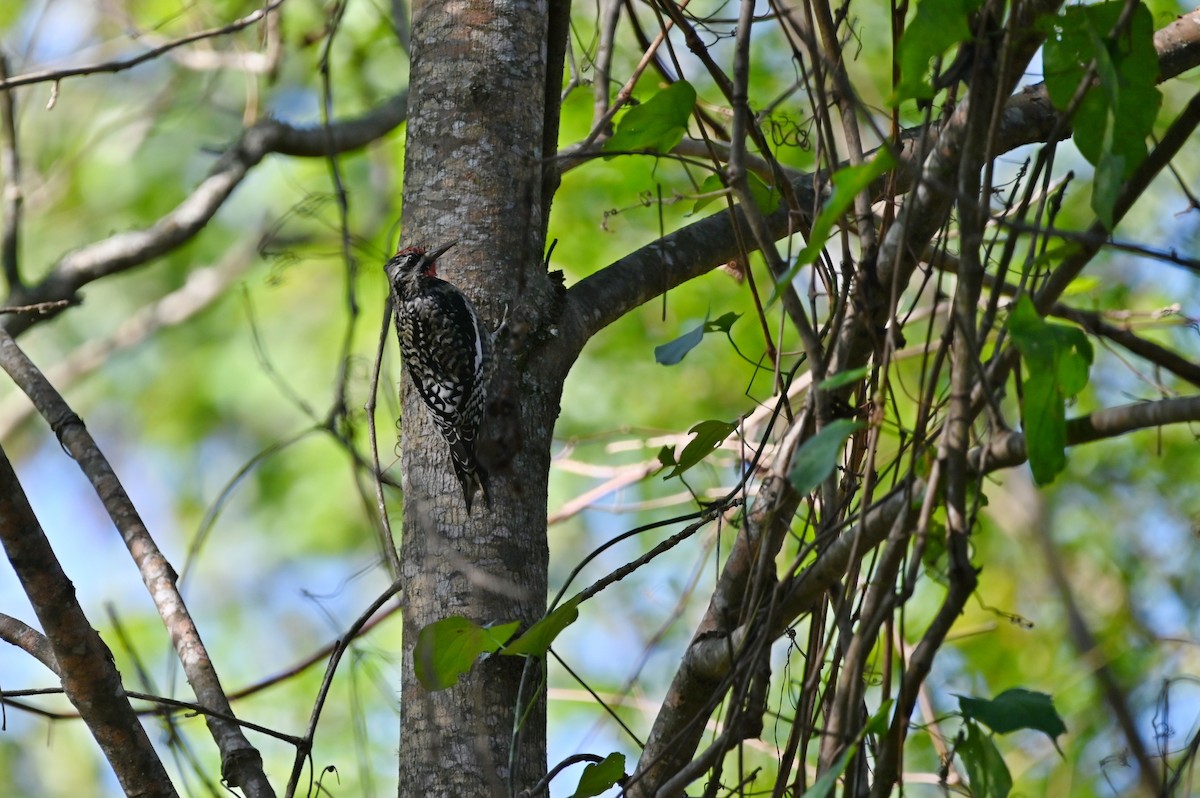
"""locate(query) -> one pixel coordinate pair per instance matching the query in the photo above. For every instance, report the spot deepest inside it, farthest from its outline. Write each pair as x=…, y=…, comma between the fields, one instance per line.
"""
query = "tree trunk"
x=473, y=174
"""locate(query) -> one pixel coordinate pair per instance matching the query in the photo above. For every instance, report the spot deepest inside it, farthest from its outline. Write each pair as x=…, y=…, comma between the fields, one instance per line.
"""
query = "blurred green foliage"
x=291, y=558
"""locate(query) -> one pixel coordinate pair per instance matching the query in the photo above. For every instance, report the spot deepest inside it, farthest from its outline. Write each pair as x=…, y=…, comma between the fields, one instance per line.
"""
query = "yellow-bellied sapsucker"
x=448, y=354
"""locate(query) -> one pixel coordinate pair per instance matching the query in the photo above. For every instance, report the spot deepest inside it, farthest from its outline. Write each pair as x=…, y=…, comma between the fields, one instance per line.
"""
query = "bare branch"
x=1008, y=449
x=681, y=721
x=710, y=656
x=605, y=296
x=124, y=251
x=89, y=677
x=1178, y=45
x=120, y=65
x=203, y=287
x=29, y=640
x=241, y=763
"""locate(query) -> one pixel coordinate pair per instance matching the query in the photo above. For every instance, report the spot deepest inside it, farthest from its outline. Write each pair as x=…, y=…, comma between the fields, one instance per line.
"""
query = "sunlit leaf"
x=937, y=26
x=766, y=198
x=539, y=637
x=657, y=124
x=878, y=724
x=1084, y=284
x=447, y=649
x=824, y=785
x=843, y=378
x=847, y=183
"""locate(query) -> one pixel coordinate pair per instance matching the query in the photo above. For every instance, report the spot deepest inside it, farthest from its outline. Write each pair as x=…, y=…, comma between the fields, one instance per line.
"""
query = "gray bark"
x=473, y=174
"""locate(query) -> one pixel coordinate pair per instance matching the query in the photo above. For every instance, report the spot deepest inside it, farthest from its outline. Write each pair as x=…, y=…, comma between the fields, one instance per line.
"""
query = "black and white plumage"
x=448, y=355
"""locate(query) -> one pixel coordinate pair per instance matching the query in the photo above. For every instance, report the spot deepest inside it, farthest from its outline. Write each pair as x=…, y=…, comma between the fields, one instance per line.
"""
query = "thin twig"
x=304, y=745
x=120, y=65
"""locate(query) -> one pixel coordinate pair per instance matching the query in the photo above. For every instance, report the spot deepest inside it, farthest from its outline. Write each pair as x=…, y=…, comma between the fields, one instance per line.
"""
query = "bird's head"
x=411, y=263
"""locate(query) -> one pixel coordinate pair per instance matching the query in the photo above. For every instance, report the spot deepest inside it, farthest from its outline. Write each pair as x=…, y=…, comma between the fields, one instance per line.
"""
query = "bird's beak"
x=430, y=257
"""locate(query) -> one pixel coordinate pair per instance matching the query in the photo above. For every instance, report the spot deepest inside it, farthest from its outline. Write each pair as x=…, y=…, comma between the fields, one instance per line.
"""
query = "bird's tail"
x=471, y=476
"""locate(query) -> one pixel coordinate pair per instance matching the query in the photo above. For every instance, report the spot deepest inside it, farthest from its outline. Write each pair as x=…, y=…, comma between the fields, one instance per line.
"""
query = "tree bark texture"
x=473, y=174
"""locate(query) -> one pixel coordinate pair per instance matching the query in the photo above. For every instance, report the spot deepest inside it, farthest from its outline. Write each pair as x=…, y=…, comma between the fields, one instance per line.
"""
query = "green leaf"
x=1084, y=284
x=672, y=352
x=823, y=786
x=722, y=323
x=1044, y=415
x=878, y=724
x=766, y=198
x=538, y=638
x=709, y=435
x=656, y=125
x=937, y=26
x=600, y=776
x=847, y=183
x=985, y=766
x=1057, y=360
x=934, y=555
x=1014, y=709
x=447, y=649
x=1115, y=116
x=666, y=456
x=844, y=378
x=1106, y=185
x=814, y=461
x=1055, y=254
x=711, y=185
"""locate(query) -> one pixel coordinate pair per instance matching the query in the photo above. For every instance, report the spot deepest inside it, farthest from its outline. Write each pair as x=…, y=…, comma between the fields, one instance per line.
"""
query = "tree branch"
x=29, y=640
x=241, y=763
x=605, y=296
x=1008, y=449
x=710, y=656
x=124, y=251
x=690, y=698
x=1148, y=350
x=84, y=663
x=120, y=65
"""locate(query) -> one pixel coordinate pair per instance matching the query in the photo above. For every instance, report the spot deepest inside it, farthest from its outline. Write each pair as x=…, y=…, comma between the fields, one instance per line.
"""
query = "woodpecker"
x=448, y=354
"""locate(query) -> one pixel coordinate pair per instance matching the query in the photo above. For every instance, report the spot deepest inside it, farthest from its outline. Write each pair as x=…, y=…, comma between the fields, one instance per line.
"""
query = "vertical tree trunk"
x=473, y=174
